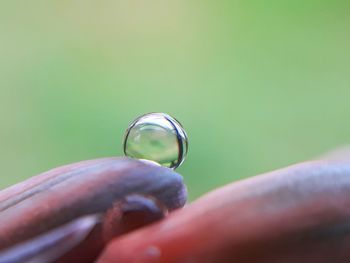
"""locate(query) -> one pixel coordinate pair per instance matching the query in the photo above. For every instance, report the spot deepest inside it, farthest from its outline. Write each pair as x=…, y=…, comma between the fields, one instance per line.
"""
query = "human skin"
x=297, y=214
x=121, y=193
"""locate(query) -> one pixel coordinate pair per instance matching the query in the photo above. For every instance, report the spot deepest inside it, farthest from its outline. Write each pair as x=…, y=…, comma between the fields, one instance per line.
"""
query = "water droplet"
x=157, y=137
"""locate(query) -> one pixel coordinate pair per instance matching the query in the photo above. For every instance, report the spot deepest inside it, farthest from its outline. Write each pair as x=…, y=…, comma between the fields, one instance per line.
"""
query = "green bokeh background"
x=257, y=84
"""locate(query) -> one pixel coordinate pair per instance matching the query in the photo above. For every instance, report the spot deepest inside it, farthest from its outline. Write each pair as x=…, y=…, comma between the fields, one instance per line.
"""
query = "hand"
x=297, y=214
x=70, y=213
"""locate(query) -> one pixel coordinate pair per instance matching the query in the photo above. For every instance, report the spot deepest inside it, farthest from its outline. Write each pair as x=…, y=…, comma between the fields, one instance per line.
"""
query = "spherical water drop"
x=157, y=137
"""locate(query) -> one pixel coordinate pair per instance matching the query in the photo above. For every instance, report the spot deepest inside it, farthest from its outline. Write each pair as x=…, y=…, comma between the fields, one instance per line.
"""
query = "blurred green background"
x=257, y=84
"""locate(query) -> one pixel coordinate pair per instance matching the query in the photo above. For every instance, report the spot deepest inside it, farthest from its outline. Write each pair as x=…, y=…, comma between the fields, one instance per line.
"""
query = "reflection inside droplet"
x=157, y=137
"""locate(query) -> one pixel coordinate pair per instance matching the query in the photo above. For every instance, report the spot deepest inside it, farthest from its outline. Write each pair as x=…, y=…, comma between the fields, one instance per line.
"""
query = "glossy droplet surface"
x=157, y=137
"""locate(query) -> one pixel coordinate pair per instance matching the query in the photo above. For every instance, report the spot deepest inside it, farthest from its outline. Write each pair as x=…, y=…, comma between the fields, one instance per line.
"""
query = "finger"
x=82, y=239
x=130, y=213
x=63, y=194
x=50, y=246
x=297, y=214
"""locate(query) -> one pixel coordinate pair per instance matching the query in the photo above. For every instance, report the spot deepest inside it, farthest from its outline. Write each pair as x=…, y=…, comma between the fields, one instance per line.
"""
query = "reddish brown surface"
x=298, y=214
